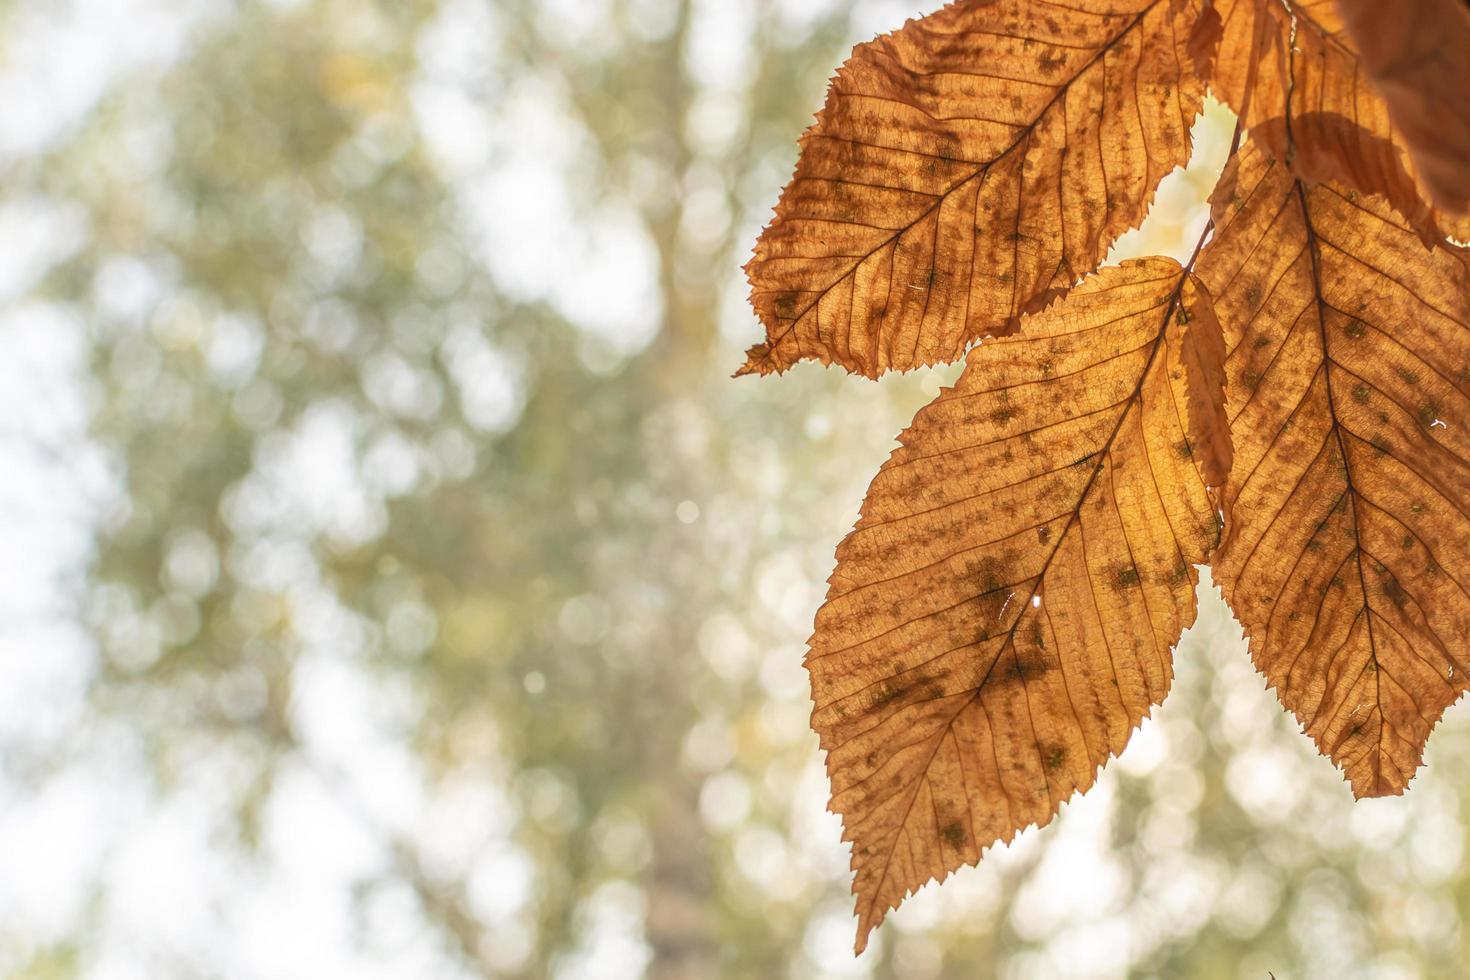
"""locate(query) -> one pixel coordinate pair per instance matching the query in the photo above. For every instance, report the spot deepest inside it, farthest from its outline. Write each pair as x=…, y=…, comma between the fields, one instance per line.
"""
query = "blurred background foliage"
x=396, y=585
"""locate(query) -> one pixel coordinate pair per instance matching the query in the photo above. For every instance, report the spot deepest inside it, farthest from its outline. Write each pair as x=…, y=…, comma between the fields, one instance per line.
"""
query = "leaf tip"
x=869, y=917
x=757, y=361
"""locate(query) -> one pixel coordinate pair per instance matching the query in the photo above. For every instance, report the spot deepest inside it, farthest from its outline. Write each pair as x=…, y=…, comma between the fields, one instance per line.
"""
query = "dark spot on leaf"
x=1020, y=668
x=887, y=694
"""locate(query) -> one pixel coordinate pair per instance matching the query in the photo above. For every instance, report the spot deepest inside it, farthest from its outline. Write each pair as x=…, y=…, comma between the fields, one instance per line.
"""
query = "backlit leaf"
x=1294, y=78
x=1347, y=559
x=1418, y=55
x=1001, y=618
x=967, y=169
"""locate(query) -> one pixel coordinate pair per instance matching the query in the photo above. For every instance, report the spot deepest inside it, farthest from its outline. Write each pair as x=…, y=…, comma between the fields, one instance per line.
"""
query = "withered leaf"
x=1418, y=55
x=1294, y=78
x=1203, y=355
x=1000, y=619
x=967, y=169
x=1347, y=559
x=1295, y=410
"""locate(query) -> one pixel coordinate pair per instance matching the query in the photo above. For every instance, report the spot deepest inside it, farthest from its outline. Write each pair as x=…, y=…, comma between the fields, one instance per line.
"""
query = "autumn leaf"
x=1349, y=394
x=1001, y=618
x=1294, y=76
x=1292, y=405
x=1204, y=366
x=967, y=169
x=1418, y=55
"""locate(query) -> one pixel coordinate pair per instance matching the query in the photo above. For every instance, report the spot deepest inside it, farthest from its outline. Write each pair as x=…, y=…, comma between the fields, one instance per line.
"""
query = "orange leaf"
x=1418, y=55
x=1349, y=390
x=968, y=169
x=1295, y=80
x=1203, y=354
x=1001, y=618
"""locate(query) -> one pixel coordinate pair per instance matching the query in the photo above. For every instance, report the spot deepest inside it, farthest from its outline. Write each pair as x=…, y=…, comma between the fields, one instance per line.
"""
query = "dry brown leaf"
x=1251, y=64
x=1204, y=42
x=966, y=170
x=1338, y=126
x=1203, y=355
x=1001, y=617
x=1349, y=389
x=1418, y=55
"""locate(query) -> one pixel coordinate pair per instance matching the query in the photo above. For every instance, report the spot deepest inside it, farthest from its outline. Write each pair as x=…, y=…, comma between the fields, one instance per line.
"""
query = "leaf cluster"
x=1291, y=406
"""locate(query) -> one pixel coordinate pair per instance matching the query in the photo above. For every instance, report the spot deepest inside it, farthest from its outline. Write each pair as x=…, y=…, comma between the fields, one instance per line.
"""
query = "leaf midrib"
x=1314, y=250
